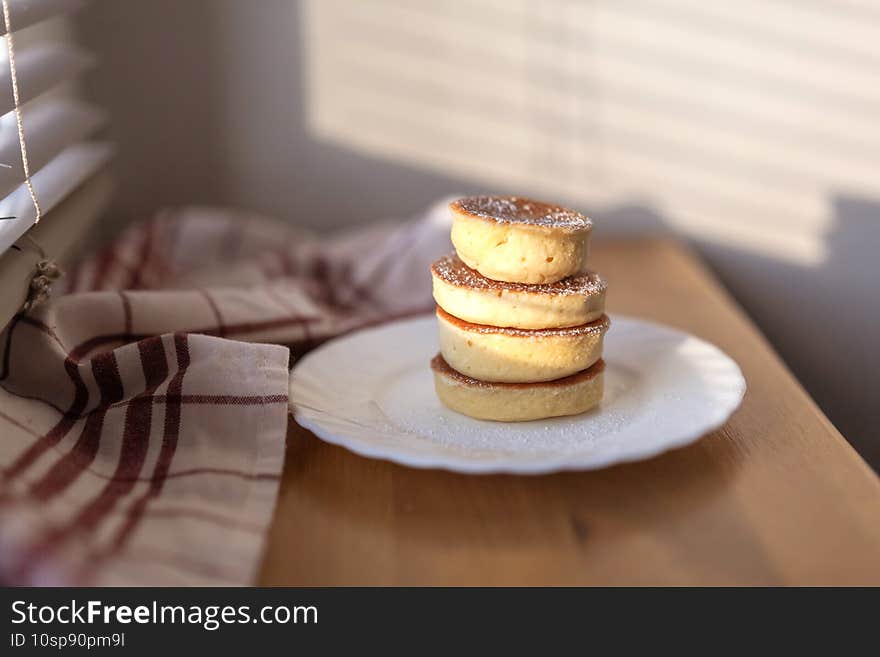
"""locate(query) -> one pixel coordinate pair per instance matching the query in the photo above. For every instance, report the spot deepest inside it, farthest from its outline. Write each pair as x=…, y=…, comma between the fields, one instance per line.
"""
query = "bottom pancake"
x=517, y=402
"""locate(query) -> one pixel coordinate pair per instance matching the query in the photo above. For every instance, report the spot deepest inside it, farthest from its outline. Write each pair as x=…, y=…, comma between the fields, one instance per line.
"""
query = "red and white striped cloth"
x=143, y=414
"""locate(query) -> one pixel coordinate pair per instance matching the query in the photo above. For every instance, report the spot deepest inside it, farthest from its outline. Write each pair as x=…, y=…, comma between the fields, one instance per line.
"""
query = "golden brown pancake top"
x=452, y=270
x=519, y=210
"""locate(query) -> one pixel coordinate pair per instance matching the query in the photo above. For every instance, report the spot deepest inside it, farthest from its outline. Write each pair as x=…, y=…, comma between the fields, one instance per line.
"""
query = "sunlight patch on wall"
x=737, y=123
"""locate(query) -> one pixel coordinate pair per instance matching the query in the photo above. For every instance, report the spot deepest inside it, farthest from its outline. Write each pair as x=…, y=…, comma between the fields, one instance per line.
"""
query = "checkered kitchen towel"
x=143, y=413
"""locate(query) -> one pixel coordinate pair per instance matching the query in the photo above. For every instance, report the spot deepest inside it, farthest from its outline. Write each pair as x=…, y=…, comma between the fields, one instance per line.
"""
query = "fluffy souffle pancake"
x=467, y=294
x=515, y=402
x=514, y=355
x=519, y=240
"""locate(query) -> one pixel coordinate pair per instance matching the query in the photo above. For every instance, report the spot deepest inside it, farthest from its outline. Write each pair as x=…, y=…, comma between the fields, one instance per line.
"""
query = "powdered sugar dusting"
x=519, y=210
x=452, y=270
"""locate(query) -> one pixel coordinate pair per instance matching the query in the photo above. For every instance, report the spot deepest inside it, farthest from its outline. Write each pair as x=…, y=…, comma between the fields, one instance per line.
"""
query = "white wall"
x=748, y=128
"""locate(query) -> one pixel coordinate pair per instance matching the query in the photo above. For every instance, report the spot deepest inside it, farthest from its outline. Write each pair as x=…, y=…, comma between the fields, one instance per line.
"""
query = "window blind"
x=57, y=122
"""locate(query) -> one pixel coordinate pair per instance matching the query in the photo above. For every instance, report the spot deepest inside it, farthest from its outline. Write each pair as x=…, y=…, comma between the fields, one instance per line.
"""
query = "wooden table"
x=775, y=497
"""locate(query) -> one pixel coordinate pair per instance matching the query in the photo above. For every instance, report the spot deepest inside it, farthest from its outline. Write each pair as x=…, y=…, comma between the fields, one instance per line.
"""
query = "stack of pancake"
x=521, y=320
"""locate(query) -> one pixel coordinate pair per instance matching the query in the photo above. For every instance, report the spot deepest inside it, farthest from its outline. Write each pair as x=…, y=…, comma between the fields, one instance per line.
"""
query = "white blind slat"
x=70, y=220
x=39, y=69
x=24, y=13
x=52, y=183
x=50, y=128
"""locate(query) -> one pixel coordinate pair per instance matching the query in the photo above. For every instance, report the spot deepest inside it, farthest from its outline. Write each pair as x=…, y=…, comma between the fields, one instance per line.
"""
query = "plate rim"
x=563, y=463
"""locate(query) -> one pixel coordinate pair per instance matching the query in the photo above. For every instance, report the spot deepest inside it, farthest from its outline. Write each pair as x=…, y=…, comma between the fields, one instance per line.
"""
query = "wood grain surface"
x=776, y=497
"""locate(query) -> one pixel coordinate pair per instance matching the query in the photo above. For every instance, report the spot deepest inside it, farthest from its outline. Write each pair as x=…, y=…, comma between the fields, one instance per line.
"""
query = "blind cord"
x=10, y=49
x=46, y=271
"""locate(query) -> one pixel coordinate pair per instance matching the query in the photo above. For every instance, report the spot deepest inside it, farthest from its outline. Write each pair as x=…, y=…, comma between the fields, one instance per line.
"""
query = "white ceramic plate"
x=373, y=393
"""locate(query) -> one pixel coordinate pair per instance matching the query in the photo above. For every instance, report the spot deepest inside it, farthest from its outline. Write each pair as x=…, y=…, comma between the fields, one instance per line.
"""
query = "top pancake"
x=519, y=210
